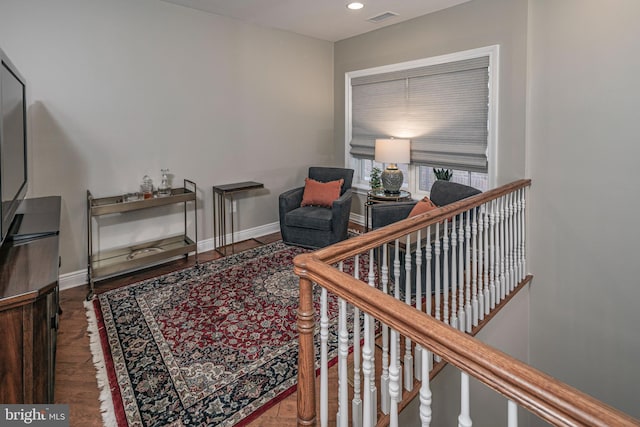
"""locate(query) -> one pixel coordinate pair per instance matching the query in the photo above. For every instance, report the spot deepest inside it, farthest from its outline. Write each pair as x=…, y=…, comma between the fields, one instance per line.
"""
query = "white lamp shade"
x=393, y=150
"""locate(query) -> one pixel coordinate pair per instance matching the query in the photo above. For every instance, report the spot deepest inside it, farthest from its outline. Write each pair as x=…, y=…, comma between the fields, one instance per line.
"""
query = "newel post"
x=306, y=356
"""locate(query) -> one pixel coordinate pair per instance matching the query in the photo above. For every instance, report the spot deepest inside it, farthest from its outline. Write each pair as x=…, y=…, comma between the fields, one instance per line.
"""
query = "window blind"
x=442, y=108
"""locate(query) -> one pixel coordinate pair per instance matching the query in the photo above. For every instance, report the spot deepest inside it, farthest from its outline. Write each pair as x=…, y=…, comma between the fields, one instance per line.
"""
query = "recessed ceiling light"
x=355, y=5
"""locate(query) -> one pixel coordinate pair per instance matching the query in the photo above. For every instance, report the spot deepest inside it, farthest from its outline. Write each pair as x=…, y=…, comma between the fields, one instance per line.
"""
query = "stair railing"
x=421, y=287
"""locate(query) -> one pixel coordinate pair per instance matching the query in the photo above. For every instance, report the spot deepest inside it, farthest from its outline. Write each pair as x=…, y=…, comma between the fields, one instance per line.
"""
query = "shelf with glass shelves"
x=110, y=262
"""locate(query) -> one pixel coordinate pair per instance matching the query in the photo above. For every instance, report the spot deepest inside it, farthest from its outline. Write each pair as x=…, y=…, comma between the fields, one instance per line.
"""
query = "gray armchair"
x=315, y=226
x=442, y=193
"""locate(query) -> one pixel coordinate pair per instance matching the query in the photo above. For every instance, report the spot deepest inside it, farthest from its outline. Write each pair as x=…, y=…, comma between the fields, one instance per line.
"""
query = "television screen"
x=13, y=143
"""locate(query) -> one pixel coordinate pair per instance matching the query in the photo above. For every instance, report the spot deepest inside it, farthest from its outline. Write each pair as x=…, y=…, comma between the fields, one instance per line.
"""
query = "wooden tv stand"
x=29, y=307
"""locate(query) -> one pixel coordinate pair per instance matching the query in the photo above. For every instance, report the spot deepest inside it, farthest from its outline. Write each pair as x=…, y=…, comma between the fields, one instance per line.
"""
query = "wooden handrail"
x=373, y=239
x=543, y=395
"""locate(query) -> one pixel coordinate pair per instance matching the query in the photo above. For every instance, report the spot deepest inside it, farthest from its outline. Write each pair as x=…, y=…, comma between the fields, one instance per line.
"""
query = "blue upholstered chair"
x=316, y=226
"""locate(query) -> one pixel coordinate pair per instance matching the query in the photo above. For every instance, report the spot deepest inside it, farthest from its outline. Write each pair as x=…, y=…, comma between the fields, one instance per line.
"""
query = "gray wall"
x=568, y=114
x=583, y=144
x=119, y=89
x=470, y=25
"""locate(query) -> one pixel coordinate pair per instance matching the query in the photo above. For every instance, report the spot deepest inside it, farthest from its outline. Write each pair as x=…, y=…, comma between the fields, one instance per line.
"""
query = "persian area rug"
x=214, y=344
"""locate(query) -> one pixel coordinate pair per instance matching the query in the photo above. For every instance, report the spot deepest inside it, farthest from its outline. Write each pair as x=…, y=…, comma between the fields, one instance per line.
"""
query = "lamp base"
x=392, y=179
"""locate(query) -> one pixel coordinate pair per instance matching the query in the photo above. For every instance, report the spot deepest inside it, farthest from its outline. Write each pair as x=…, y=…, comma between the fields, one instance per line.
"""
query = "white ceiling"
x=323, y=19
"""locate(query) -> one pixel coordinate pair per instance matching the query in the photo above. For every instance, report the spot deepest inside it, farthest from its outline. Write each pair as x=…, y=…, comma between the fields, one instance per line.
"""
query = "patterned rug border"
x=111, y=403
x=96, y=345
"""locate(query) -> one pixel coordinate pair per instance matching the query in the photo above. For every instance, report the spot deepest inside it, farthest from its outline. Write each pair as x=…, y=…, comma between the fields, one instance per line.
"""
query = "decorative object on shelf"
x=374, y=179
x=147, y=187
x=164, y=189
x=443, y=174
x=131, y=197
x=143, y=252
x=392, y=151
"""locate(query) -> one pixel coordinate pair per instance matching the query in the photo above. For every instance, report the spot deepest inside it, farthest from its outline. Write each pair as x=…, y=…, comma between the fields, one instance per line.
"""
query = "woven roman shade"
x=442, y=108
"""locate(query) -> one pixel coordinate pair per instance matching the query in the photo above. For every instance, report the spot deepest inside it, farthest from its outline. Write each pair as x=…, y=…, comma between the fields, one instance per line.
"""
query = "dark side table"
x=220, y=193
x=379, y=196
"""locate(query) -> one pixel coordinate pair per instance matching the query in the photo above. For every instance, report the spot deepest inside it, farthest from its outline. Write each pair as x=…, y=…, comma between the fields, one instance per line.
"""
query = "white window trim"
x=493, y=52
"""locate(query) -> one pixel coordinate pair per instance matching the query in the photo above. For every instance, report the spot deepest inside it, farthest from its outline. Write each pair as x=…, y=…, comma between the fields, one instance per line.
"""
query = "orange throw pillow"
x=424, y=205
x=318, y=193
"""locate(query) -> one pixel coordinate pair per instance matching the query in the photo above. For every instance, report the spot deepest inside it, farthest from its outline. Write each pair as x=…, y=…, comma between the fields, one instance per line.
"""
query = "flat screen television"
x=13, y=143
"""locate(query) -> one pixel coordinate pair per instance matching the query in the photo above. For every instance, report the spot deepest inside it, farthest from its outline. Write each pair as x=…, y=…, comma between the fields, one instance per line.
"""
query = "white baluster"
x=512, y=414
x=474, y=267
x=524, y=233
x=428, y=288
x=464, y=419
x=324, y=369
x=373, y=392
x=343, y=353
x=396, y=294
x=417, y=367
x=408, y=357
x=467, y=270
x=519, y=218
x=502, y=250
x=481, y=249
x=462, y=318
x=369, y=404
x=514, y=240
x=454, y=277
x=437, y=286
x=485, y=264
x=506, y=246
x=356, y=402
x=445, y=272
x=425, y=392
x=384, y=379
x=394, y=379
x=507, y=232
x=429, y=284
x=510, y=273
x=492, y=254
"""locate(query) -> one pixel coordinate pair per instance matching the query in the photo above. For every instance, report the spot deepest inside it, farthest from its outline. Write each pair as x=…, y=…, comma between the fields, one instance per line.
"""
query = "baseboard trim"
x=79, y=277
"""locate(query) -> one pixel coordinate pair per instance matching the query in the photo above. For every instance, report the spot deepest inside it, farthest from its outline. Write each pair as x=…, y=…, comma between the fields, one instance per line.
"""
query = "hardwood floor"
x=75, y=373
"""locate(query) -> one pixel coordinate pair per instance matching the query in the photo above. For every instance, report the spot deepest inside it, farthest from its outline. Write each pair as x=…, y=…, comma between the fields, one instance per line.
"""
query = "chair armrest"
x=343, y=201
x=383, y=214
x=341, y=209
x=290, y=200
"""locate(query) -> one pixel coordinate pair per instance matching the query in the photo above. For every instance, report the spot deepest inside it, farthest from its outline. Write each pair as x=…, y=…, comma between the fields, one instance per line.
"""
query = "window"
x=445, y=105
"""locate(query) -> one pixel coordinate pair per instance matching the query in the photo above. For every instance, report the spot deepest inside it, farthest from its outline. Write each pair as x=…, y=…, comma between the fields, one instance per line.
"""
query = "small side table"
x=379, y=196
x=220, y=193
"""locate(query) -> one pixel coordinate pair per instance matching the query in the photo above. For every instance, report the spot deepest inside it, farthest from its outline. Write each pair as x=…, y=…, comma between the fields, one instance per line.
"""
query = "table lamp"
x=392, y=152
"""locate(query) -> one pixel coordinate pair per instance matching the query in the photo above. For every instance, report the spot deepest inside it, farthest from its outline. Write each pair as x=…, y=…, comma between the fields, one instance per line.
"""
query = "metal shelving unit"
x=101, y=264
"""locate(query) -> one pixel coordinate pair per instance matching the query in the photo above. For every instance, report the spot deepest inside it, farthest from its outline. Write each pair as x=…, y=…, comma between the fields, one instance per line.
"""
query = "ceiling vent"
x=382, y=17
